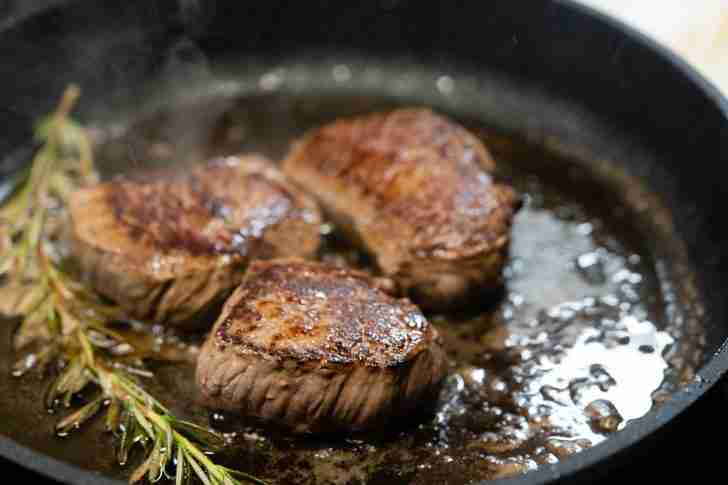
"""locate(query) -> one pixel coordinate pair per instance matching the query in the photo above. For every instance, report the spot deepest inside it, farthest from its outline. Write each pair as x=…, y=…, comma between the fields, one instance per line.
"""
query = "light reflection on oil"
x=582, y=357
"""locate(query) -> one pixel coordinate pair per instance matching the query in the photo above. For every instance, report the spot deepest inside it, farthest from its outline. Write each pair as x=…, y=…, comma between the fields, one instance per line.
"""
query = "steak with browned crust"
x=414, y=190
x=315, y=347
x=169, y=246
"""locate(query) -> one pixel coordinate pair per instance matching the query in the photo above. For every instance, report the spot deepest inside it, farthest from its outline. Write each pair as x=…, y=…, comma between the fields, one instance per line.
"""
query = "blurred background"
x=696, y=29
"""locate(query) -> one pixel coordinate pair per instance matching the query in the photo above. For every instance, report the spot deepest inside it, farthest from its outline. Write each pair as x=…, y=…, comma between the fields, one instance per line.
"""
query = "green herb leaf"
x=77, y=418
x=74, y=324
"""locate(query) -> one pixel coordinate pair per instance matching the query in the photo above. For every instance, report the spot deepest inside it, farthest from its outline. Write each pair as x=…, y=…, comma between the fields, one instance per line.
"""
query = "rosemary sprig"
x=64, y=158
x=136, y=417
x=75, y=327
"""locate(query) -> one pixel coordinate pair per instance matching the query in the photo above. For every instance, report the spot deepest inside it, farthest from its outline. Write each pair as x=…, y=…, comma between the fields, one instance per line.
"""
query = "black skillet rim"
x=641, y=428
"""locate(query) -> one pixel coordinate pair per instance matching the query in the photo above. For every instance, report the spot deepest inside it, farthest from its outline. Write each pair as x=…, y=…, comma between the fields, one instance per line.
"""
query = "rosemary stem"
x=74, y=316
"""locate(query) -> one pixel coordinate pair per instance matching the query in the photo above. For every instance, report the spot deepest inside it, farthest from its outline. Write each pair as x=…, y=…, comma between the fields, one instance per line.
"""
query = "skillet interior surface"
x=502, y=87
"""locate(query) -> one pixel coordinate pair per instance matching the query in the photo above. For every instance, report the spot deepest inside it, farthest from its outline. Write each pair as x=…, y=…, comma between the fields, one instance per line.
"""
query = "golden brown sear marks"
x=315, y=347
x=413, y=189
x=167, y=245
x=219, y=209
x=324, y=313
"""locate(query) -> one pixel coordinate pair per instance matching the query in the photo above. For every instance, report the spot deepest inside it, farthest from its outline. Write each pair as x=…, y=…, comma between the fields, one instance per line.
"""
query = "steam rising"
x=196, y=15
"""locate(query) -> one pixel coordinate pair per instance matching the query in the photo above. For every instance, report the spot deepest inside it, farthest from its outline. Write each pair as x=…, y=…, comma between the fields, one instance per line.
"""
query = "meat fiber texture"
x=313, y=347
x=414, y=190
x=168, y=247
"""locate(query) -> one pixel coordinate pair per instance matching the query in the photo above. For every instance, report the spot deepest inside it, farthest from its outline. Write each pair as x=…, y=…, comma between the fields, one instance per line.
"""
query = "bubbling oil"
x=573, y=347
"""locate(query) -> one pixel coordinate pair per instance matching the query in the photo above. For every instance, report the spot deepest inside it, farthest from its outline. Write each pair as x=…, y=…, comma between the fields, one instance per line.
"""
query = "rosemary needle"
x=63, y=317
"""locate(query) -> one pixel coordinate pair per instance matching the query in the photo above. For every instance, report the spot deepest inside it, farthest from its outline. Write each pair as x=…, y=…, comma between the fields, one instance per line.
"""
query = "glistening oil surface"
x=582, y=339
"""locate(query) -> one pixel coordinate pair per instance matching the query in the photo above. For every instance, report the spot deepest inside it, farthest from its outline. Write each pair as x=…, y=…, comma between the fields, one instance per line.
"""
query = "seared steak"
x=166, y=247
x=413, y=189
x=315, y=347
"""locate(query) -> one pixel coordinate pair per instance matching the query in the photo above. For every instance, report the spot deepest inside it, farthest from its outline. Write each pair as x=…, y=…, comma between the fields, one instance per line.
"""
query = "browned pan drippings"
x=576, y=344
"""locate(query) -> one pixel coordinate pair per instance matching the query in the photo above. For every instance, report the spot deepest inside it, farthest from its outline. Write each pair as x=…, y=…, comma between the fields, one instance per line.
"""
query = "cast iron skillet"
x=556, y=59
